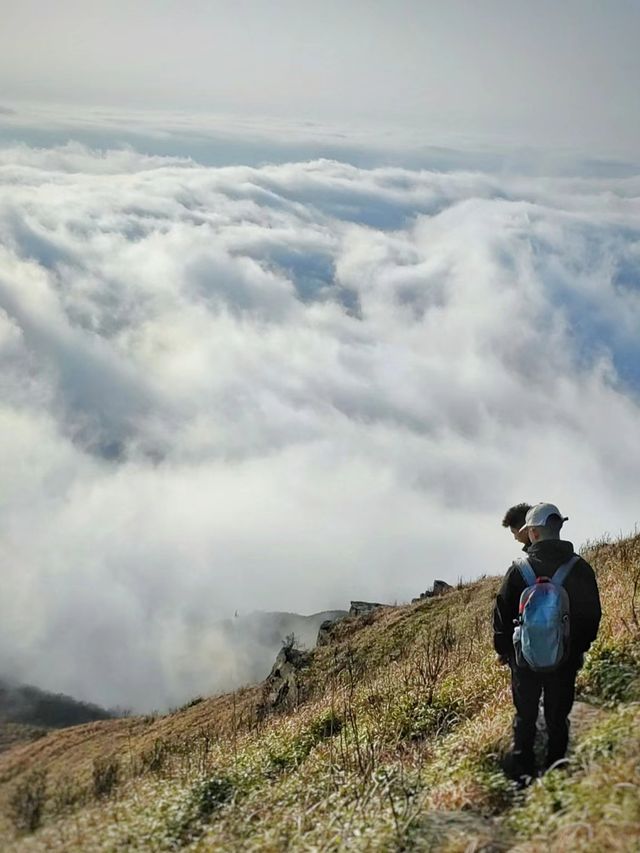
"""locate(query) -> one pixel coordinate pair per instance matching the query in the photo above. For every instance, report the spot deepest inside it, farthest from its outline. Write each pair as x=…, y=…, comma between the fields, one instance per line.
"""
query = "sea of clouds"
x=283, y=386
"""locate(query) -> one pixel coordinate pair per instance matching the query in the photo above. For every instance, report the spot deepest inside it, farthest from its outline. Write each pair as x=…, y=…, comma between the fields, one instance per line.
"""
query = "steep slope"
x=391, y=741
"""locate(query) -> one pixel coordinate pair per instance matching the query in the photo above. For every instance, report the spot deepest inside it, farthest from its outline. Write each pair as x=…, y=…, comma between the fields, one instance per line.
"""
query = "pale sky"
x=544, y=73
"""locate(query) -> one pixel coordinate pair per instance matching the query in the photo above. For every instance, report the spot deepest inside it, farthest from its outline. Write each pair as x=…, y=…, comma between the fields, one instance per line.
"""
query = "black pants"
x=558, y=689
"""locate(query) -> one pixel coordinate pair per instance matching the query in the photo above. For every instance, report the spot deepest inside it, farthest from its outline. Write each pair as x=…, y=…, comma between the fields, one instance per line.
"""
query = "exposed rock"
x=358, y=608
x=439, y=588
x=254, y=639
x=281, y=689
x=325, y=630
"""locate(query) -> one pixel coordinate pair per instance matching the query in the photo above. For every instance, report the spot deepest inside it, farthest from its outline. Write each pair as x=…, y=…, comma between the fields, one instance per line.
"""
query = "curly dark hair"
x=516, y=515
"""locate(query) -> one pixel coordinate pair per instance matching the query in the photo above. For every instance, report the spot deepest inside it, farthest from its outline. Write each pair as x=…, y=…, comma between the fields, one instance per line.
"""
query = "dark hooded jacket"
x=584, y=600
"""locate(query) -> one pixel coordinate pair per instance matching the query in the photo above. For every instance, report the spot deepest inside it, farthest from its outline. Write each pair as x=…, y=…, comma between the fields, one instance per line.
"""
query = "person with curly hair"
x=514, y=519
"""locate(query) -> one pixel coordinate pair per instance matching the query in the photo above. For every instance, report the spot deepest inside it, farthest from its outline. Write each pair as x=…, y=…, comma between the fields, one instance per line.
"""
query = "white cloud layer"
x=283, y=387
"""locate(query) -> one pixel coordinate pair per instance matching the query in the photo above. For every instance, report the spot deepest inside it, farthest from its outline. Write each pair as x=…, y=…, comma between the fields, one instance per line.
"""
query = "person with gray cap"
x=546, y=554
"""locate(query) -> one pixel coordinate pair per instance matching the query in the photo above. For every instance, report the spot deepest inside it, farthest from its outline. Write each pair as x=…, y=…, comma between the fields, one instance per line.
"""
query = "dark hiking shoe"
x=519, y=768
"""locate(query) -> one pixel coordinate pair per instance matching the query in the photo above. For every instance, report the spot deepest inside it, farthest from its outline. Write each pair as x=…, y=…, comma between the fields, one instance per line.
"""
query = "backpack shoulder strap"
x=560, y=574
x=524, y=567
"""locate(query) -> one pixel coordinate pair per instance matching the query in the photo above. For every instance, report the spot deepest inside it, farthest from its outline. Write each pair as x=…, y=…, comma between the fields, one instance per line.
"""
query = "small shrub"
x=611, y=674
x=203, y=802
x=26, y=804
x=153, y=760
x=293, y=752
x=606, y=738
x=211, y=794
x=151, y=718
x=66, y=795
x=106, y=774
x=325, y=726
x=415, y=718
x=291, y=642
x=288, y=754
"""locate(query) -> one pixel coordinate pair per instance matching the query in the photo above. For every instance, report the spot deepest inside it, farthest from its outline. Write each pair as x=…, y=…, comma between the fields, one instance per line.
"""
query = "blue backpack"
x=541, y=633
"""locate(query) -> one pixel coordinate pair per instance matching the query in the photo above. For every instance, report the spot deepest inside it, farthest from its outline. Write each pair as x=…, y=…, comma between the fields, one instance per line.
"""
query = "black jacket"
x=584, y=600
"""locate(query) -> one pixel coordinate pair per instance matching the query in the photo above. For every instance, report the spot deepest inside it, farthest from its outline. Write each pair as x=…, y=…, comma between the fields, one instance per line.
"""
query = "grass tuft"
x=611, y=673
x=27, y=801
x=204, y=800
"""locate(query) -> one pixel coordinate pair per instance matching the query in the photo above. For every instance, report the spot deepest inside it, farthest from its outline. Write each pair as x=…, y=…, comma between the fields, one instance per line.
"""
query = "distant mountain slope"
x=30, y=706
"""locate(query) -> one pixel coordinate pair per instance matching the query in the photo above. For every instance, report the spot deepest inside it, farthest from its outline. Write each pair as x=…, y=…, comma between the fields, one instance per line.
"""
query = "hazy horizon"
x=546, y=72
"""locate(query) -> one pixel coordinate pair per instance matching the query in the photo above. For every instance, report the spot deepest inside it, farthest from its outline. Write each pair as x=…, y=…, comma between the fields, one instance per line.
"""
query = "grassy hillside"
x=393, y=743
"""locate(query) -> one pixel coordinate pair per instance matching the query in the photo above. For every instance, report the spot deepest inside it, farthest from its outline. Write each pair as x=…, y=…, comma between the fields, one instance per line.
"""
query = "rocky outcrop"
x=358, y=608
x=439, y=588
x=324, y=632
x=254, y=639
x=281, y=690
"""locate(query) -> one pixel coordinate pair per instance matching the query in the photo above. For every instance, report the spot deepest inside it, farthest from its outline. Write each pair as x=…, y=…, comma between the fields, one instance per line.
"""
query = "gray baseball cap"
x=538, y=515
